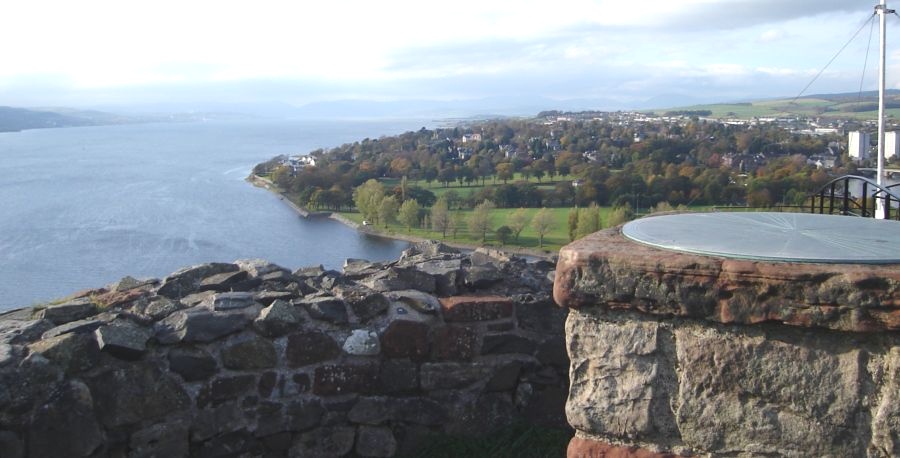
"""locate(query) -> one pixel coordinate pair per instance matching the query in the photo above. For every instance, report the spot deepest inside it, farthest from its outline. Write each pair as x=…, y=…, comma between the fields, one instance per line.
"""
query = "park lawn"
x=553, y=241
x=465, y=190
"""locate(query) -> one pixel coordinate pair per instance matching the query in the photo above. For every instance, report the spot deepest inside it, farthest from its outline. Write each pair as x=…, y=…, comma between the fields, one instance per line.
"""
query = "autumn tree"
x=440, y=217
x=588, y=221
x=542, y=223
x=387, y=210
x=367, y=198
x=409, y=214
x=480, y=219
x=517, y=221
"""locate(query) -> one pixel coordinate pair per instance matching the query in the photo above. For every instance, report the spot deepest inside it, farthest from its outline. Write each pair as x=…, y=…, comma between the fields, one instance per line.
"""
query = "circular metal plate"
x=788, y=237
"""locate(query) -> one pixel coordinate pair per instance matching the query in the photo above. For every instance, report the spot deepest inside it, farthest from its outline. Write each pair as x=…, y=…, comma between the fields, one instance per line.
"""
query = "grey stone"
x=481, y=276
x=191, y=363
x=67, y=312
x=269, y=297
x=365, y=303
x=75, y=327
x=32, y=380
x=484, y=256
x=505, y=378
x=160, y=308
x=199, y=324
x=192, y=300
x=305, y=414
x=276, y=320
x=216, y=421
x=423, y=302
x=375, y=441
x=6, y=354
x=226, y=388
x=136, y=392
x=123, y=339
x=759, y=395
x=312, y=271
x=507, y=343
x=187, y=281
x=324, y=442
x=326, y=308
x=401, y=278
x=269, y=419
x=65, y=424
x=252, y=354
x=398, y=376
x=128, y=283
x=431, y=248
x=235, y=444
x=23, y=331
x=228, y=301
x=222, y=282
x=446, y=273
x=362, y=343
x=438, y=376
x=380, y=409
x=258, y=267
x=168, y=439
x=73, y=353
x=11, y=445
x=614, y=376
x=306, y=348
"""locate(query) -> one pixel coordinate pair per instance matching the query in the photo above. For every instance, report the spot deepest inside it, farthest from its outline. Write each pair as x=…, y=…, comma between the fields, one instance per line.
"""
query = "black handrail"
x=852, y=206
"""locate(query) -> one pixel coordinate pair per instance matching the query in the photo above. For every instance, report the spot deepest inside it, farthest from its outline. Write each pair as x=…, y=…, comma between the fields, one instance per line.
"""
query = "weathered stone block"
x=226, y=388
x=191, y=363
x=223, y=281
x=252, y=354
x=476, y=308
x=437, y=376
x=324, y=442
x=310, y=347
x=886, y=424
x=276, y=320
x=304, y=415
x=72, y=353
x=199, y=324
x=345, y=379
x=454, y=343
x=66, y=312
x=377, y=410
x=123, y=339
x=761, y=395
x=362, y=343
x=507, y=343
x=422, y=302
x=267, y=384
x=187, y=281
x=375, y=441
x=162, y=439
x=365, y=303
x=405, y=339
x=218, y=420
x=325, y=308
x=398, y=376
x=136, y=392
x=65, y=425
x=614, y=376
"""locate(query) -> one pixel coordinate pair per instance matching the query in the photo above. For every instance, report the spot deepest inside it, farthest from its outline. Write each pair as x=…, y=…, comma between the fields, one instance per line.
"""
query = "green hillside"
x=838, y=106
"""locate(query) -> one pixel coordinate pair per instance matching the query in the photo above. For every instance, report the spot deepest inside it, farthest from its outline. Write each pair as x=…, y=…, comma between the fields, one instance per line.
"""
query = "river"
x=83, y=207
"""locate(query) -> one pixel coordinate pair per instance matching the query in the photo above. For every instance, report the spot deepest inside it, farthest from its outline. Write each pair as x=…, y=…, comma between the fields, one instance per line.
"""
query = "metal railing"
x=835, y=198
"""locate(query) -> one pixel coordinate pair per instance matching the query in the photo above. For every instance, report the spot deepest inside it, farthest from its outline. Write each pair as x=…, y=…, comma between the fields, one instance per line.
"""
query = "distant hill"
x=855, y=105
x=16, y=119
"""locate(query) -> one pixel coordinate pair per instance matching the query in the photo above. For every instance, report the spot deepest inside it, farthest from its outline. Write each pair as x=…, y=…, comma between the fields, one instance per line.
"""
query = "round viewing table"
x=786, y=237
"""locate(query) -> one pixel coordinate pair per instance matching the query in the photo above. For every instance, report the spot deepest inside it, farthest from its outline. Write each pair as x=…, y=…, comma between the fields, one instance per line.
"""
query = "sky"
x=615, y=54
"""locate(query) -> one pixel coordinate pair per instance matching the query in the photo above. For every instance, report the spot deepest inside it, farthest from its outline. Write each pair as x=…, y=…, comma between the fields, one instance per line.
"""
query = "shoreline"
x=263, y=183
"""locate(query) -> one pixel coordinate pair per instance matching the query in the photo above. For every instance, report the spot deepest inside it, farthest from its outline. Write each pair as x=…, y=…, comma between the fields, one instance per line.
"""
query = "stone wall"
x=679, y=354
x=250, y=359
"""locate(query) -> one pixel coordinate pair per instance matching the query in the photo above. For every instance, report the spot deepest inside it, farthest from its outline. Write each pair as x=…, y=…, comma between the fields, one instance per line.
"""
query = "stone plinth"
x=689, y=354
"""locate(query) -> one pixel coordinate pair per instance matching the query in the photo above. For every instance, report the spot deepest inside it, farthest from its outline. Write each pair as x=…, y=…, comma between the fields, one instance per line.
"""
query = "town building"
x=859, y=145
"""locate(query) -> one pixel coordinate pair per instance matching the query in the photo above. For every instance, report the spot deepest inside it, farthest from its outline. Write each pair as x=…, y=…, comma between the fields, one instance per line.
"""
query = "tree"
x=368, y=198
x=588, y=221
x=503, y=233
x=440, y=217
x=517, y=221
x=573, y=223
x=542, y=223
x=453, y=198
x=387, y=210
x=480, y=219
x=456, y=223
x=504, y=171
x=620, y=215
x=409, y=214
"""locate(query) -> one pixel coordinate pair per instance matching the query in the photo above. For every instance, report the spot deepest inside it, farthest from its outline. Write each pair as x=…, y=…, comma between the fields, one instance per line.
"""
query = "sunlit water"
x=83, y=207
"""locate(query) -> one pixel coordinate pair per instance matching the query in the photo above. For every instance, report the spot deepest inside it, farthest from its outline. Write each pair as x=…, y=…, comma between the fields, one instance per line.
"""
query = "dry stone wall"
x=678, y=354
x=250, y=359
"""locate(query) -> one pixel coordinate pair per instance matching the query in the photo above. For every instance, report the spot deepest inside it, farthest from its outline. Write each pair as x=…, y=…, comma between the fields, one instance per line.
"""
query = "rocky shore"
x=251, y=359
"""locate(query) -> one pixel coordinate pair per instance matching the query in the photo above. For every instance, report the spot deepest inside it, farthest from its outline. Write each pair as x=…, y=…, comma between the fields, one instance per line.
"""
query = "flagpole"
x=882, y=11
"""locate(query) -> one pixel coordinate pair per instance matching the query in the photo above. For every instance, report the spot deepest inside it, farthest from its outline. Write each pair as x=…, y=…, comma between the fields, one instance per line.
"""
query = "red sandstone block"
x=476, y=308
x=586, y=448
x=455, y=343
x=405, y=339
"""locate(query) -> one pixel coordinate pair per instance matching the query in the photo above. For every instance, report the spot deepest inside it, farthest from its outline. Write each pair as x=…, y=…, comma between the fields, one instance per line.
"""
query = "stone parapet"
x=251, y=359
x=674, y=353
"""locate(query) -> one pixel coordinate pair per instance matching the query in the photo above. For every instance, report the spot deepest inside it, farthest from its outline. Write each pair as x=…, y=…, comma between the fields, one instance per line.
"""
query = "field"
x=839, y=106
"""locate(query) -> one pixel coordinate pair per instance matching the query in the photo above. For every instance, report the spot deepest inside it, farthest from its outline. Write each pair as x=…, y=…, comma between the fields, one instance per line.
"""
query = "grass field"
x=553, y=241
x=787, y=107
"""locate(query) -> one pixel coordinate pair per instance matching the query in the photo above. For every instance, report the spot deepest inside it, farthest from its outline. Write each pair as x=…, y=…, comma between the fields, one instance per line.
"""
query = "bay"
x=82, y=207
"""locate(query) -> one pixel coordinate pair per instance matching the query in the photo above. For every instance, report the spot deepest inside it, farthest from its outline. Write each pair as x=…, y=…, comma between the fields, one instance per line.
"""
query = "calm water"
x=83, y=207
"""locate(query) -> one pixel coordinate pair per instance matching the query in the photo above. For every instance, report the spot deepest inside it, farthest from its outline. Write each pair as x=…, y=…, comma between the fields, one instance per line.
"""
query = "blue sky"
x=108, y=53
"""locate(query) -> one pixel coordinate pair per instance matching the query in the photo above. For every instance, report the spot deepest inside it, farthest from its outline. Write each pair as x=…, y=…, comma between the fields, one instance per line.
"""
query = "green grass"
x=517, y=441
x=553, y=241
x=465, y=190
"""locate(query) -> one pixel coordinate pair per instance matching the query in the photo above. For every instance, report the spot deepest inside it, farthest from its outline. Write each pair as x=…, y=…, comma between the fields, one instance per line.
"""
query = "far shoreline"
x=266, y=184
